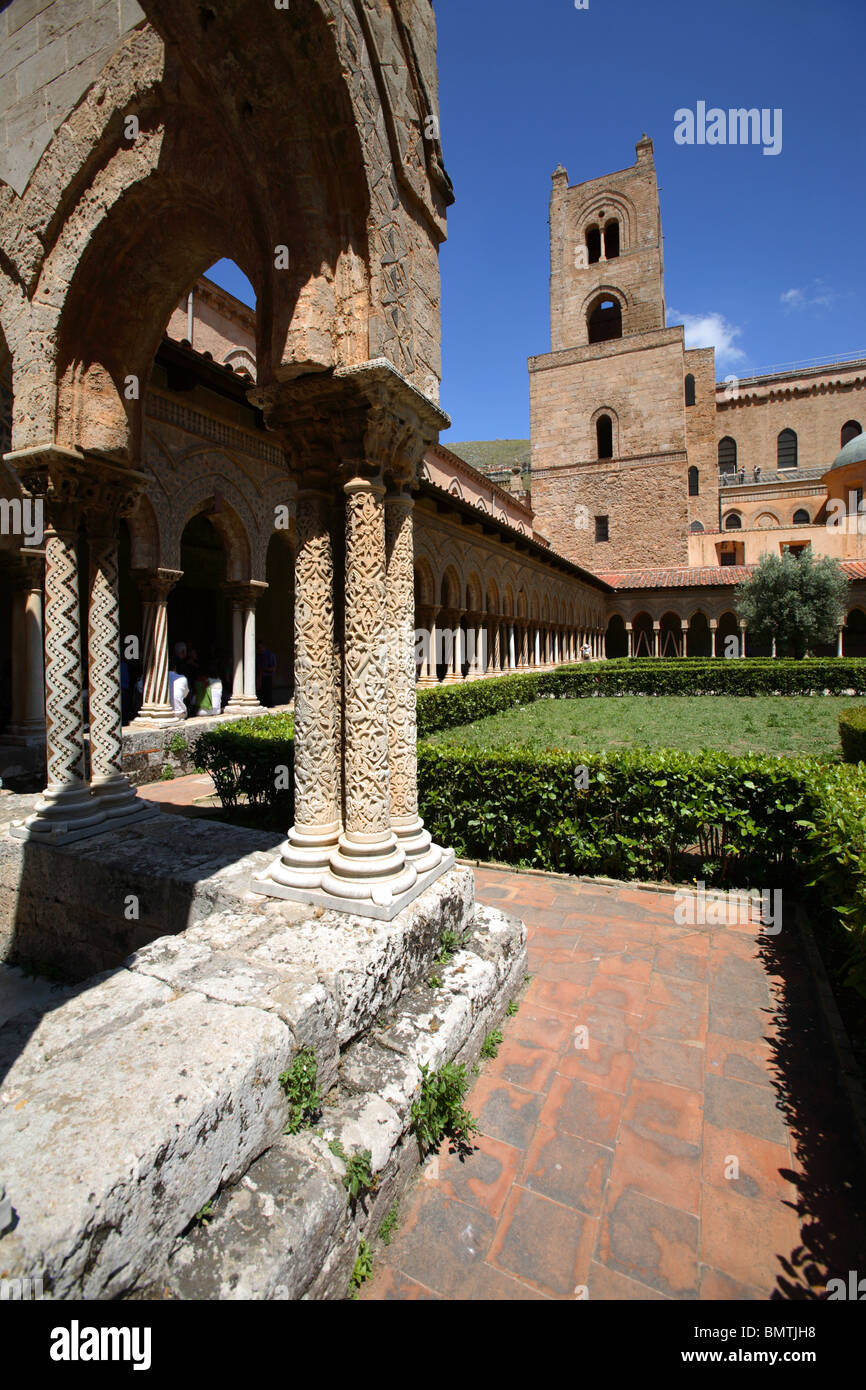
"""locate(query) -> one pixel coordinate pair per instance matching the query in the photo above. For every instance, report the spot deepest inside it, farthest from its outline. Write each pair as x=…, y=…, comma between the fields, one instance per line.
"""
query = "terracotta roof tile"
x=698, y=576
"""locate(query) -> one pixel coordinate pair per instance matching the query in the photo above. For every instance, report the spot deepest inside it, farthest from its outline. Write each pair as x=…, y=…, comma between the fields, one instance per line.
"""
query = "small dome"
x=853, y=452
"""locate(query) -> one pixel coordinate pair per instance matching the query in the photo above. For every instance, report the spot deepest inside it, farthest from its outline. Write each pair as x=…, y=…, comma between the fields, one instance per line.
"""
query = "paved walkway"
x=610, y=1166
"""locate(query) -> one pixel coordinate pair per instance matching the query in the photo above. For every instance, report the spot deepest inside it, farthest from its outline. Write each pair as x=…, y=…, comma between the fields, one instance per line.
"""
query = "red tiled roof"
x=697, y=577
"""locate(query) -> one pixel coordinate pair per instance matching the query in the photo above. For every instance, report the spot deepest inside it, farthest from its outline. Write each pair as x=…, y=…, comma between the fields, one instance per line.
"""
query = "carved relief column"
x=155, y=587
x=369, y=862
x=407, y=825
x=306, y=853
x=109, y=787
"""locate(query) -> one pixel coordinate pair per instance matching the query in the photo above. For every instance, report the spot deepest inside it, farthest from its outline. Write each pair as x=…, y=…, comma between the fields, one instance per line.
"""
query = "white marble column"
x=156, y=707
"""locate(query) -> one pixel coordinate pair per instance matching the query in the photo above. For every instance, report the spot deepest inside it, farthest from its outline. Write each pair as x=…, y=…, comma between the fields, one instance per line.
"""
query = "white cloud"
x=710, y=330
x=817, y=297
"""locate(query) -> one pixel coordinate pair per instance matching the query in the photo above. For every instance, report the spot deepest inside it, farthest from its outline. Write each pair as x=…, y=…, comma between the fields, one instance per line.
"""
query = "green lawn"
x=734, y=724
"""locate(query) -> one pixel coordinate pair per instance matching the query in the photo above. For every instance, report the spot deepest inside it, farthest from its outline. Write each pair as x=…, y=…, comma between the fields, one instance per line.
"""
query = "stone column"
x=27, y=723
x=656, y=639
x=512, y=650
x=432, y=674
x=840, y=645
x=684, y=636
x=108, y=786
x=630, y=634
x=538, y=646
x=368, y=862
x=743, y=631
x=235, y=705
x=714, y=636
x=305, y=856
x=407, y=825
x=156, y=708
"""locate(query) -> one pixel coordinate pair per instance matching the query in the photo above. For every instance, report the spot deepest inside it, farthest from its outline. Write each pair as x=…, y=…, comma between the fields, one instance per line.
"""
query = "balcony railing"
x=751, y=477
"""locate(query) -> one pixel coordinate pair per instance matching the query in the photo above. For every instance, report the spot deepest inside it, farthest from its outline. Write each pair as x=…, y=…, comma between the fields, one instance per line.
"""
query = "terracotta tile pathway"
x=645, y=1060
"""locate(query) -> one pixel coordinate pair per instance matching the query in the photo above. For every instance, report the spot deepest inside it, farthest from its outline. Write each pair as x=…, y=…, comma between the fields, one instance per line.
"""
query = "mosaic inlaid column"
x=155, y=587
x=368, y=863
x=306, y=853
x=66, y=807
x=406, y=824
x=109, y=788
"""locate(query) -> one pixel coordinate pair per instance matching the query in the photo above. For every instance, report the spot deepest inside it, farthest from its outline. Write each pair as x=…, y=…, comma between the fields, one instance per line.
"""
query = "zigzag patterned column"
x=109, y=788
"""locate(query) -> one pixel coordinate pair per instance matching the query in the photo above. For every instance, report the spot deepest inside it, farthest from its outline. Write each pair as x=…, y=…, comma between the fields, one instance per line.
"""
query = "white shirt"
x=178, y=688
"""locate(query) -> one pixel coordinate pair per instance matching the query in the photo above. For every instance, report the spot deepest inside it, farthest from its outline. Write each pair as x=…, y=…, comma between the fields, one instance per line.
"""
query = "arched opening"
x=854, y=635
x=727, y=455
x=690, y=389
x=593, y=244
x=802, y=517
x=275, y=619
x=604, y=436
x=611, y=239
x=199, y=618
x=604, y=321
x=733, y=522
x=670, y=637
x=850, y=430
x=694, y=482
x=616, y=638
x=728, y=637
x=642, y=635
x=699, y=637
x=786, y=450
x=696, y=528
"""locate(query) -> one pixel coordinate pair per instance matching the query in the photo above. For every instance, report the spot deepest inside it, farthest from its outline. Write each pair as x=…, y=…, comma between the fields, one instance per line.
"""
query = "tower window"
x=604, y=436
x=593, y=244
x=602, y=528
x=611, y=240
x=694, y=482
x=696, y=528
x=850, y=430
x=802, y=517
x=727, y=455
x=605, y=321
x=786, y=451
x=733, y=522
x=690, y=389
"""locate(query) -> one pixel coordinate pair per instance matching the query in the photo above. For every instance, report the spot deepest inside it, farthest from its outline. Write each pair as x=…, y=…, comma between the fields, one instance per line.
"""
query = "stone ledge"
x=129, y=1101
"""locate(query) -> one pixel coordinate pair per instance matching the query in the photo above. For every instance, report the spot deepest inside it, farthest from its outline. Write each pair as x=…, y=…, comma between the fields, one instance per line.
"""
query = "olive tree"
x=794, y=598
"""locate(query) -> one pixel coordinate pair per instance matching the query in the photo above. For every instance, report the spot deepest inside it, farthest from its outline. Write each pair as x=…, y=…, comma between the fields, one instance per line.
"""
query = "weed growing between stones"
x=168, y=773
x=363, y=1269
x=388, y=1226
x=178, y=745
x=491, y=1044
x=438, y=1112
x=301, y=1091
x=435, y=981
x=513, y=1006
x=205, y=1216
x=450, y=942
x=359, y=1177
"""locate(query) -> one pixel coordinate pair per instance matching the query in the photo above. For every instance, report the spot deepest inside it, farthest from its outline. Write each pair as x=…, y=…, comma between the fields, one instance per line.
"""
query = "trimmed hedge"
x=836, y=837
x=252, y=758
x=852, y=732
x=449, y=706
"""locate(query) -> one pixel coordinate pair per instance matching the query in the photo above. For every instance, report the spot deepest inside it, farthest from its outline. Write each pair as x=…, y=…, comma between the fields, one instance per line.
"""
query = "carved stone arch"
x=492, y=592
x=620, y=204
x=146, y=543
x=450, y=588
x=425, y=581
x=246, y=547
x=545, y=607
x=522, y=604
x=605, y=292
x=473, y=593
x=508, y=607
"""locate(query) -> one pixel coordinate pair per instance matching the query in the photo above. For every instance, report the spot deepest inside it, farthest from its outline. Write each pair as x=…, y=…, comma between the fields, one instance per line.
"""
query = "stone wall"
x=815, y=404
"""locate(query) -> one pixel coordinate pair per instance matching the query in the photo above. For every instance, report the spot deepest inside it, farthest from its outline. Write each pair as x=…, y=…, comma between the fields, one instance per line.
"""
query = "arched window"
x=850, y=430
x=611, y=240
x=605, y=321
x=694, y=482
x=802, y=517
x=786, y=450
x=604, y=436
x=593, y=244
x=690, y=389
x=733, y=522
x=696, y=528
x=727, y=455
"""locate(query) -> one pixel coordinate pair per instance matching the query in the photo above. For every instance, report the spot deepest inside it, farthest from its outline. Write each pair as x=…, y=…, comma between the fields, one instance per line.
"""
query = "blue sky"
x=763, y=254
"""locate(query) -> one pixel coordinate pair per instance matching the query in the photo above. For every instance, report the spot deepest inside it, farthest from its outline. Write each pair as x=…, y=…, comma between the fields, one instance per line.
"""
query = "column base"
x=156, y=717
x=356, y=907
x=119, y=802
x=304, y=859
x=417, y=844
x=244, y=708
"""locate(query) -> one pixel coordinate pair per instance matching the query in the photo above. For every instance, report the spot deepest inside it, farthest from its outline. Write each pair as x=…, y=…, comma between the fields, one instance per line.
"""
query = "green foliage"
x=438, y=1112
x=178, y=745
x=450, y=942
x=796, y=599
x=363, y=1269
x=359, y=1177
x=835, y=832
x=388, y=1226
x=852, y=731
x=205, y=1215
x=435, y=981
x=640, y=814
x=491, y=1044
x=245, y=759
x=513, y=1006
x=167, y=773
x=301, y=1091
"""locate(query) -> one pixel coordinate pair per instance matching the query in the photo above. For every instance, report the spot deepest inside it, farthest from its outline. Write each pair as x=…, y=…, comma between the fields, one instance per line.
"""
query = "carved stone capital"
x=73, y=485
x=156, y=585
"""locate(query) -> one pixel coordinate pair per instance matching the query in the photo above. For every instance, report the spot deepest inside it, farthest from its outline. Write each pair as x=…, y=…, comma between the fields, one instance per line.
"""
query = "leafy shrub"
x=251, y=759
x=438, y=1112
x=640, y=813
x=852, y=731
x=299, y=1085
x=363, y=1269
x=836, y=838
x=359, y=1176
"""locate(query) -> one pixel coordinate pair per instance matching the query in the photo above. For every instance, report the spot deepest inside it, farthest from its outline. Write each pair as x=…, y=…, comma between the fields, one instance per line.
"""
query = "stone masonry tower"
x=623, y=418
